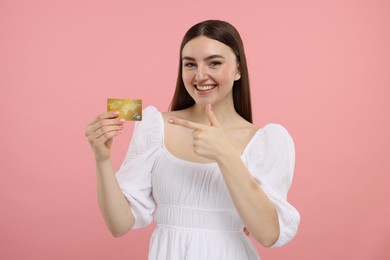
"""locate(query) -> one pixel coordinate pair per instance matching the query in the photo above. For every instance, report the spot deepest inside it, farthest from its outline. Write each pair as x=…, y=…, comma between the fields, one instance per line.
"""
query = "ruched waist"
x=186, y=217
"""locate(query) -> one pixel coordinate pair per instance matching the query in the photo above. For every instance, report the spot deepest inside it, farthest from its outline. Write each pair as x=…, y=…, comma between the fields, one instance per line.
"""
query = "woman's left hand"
x=209, y=141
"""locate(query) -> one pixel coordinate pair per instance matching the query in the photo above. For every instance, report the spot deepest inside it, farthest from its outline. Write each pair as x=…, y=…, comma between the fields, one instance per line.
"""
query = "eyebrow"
x=206, y=59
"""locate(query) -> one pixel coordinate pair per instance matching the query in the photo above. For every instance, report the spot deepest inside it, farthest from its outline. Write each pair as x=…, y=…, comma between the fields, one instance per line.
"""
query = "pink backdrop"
x=321, y=68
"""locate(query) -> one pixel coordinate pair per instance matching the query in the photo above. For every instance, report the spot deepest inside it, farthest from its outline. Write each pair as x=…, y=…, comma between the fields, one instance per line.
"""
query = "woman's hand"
x=100, y=133
x=209, y=141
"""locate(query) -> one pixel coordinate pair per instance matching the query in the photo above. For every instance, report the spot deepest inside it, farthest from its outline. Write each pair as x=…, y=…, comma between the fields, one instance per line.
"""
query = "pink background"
x=320, y=68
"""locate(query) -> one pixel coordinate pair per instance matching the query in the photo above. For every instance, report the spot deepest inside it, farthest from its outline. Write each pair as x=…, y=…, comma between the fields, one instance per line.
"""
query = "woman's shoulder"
x=151, y=118
x=275, y=137
x=151, y=113
x=276, y=130
x=271, y=135
x=150, y=110
x=178, y=113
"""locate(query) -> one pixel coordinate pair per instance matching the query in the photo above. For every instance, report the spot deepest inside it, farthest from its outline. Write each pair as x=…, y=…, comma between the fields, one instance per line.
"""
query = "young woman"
x=203, y=170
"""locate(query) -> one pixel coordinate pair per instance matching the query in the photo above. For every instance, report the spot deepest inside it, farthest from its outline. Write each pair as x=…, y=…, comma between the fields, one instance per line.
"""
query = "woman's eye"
x=215, y=63
x=189, y=65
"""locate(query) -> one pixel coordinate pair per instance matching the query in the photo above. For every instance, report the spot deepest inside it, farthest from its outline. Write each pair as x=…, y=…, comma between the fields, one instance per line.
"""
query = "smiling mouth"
x=205, y=87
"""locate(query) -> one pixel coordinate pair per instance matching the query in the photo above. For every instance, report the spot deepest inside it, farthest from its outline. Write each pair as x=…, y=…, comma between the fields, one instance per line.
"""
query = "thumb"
x=210, y=114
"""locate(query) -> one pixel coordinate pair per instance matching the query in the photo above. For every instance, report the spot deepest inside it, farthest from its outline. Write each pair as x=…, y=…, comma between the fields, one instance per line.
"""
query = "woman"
x=206, y=173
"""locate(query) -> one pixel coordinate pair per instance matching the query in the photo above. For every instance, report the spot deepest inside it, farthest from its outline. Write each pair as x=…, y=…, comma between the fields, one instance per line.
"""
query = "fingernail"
x=116, y=112
x=122, y=120
x=170, y=120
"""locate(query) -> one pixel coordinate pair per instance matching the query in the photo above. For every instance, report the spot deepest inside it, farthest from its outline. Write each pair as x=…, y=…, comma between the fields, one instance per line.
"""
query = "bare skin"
x=213, y=142
x=209, y=131
x=113, y=205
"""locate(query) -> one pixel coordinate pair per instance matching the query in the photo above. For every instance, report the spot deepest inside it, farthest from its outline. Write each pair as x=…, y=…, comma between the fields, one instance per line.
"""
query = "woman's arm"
x=253, y=205
x=112, y=203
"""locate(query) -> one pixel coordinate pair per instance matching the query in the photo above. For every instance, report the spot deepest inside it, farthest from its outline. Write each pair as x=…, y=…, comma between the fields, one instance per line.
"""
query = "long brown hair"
x=227, y=34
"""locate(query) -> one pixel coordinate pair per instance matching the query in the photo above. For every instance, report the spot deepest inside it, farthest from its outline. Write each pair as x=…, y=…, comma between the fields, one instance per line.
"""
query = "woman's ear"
x=238, y=73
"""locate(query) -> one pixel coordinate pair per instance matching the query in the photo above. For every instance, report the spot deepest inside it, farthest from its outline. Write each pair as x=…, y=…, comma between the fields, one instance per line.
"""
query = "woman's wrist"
x=227, y=156
x=103, y=163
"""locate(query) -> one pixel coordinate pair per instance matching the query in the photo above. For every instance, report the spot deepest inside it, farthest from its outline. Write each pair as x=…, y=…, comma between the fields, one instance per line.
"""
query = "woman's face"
x=209, y=70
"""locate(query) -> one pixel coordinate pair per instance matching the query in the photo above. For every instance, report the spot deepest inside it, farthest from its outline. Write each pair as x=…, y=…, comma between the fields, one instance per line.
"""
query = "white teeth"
x=204, y=88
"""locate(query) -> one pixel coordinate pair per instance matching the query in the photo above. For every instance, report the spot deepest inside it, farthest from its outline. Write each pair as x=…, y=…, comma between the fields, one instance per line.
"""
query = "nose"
x=201, y=74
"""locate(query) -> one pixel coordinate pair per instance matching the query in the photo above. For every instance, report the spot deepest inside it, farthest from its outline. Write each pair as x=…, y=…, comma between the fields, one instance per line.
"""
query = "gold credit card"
x=129, y=109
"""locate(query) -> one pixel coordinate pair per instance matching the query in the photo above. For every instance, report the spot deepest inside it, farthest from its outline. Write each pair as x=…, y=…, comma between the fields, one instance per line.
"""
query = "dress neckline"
x=244, y=152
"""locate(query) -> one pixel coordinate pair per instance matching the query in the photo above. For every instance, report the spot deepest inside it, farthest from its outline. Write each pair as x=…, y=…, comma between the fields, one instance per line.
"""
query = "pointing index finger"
x=185, y=123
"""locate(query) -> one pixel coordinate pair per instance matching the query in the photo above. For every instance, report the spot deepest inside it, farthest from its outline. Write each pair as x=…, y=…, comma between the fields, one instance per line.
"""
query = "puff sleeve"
x=271, y=162
x=134, y=176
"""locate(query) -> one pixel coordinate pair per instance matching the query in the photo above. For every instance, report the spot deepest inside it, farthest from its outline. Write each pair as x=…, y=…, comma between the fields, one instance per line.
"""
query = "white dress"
x=194, y=214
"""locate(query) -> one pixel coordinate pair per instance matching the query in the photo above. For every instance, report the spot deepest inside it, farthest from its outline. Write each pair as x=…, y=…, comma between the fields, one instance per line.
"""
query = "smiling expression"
x=209, y=70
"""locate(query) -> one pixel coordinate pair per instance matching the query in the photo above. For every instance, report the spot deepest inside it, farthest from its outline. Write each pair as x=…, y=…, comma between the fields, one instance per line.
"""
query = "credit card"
x=129, y=109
